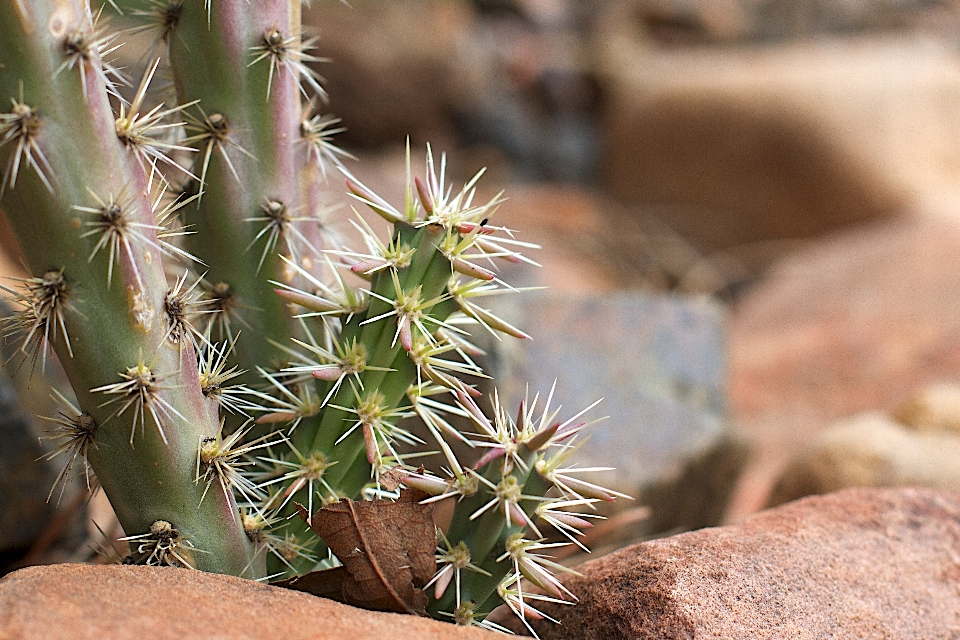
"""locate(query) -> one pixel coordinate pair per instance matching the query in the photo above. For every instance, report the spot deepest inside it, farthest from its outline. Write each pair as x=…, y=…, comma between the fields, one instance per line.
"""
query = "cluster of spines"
x=162, y=545
x=381, y=353
x=495, y=546
x=520, y=480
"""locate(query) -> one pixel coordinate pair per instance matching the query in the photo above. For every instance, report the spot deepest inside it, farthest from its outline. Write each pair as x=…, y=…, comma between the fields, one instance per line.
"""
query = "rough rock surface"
x=861, y=563
x=121, y=602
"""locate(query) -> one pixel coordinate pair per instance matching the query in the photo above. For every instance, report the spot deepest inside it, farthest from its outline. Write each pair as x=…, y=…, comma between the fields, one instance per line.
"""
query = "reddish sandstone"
x=78, y=602
x=861, y=563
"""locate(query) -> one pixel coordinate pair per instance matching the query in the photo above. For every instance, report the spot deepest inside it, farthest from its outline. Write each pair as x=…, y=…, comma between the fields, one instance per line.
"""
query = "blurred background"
x=781, y=176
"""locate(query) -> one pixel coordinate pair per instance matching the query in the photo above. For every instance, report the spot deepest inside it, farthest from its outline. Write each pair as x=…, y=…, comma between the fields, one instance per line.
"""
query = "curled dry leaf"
x=387, y=550
x=391, y=479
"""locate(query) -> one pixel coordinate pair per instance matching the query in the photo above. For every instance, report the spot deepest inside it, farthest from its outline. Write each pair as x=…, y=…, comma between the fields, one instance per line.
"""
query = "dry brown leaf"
x=387, y=549
x=392, y=478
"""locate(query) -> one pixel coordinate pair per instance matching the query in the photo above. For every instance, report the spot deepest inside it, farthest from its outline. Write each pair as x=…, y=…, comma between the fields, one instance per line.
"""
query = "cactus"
x=167, y=245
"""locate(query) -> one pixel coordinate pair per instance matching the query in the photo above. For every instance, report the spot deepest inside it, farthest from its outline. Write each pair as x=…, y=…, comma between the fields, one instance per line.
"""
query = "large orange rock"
x=862, y=563
x=124, y=602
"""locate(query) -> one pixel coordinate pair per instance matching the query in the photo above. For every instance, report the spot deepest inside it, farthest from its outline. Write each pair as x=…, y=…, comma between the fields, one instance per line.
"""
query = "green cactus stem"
x=495, y=545
x=79, y=200
x=251, y=160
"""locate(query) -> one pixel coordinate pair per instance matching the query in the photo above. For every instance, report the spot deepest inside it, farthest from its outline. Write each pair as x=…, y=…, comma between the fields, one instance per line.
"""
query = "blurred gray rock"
x=658, y=362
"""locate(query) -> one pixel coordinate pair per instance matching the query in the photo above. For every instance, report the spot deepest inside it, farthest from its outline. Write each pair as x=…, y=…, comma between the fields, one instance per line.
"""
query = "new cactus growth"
x=168, y=238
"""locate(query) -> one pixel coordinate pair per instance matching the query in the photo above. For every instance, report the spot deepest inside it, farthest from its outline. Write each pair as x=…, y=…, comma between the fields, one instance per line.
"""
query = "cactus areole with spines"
x=228, y=360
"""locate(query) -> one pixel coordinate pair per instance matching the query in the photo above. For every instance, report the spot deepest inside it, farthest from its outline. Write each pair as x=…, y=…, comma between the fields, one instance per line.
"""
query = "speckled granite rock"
x=659, y=364
x=121, y=602
x=861, y=563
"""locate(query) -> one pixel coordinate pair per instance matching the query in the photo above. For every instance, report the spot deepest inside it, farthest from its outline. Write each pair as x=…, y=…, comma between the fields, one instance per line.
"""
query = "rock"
x=127, y=602
x=736, y=148
x=870, y=450
x=570, y=226
x=590, y=243
x=497, y=76
x=699, y=493
x=861, y=563
x=936, y=408
x=858, y=321
x=682, y=22
x=658, y=362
